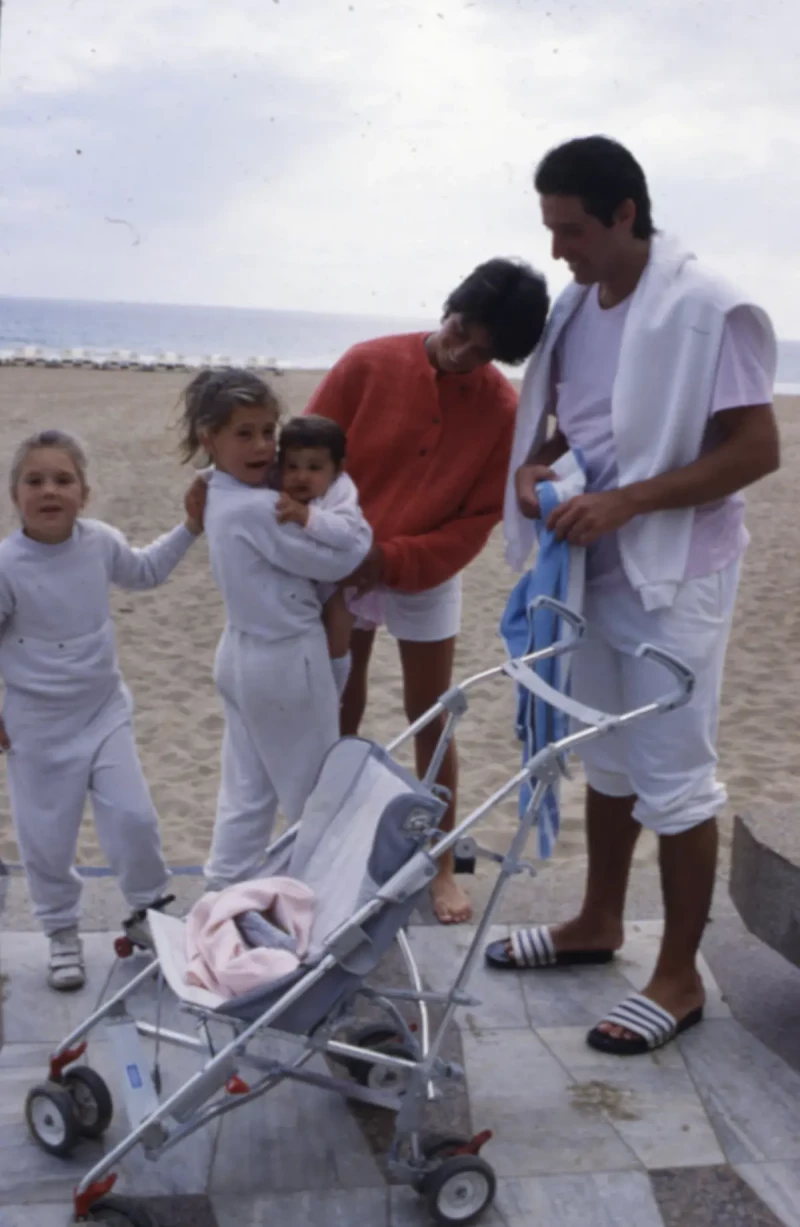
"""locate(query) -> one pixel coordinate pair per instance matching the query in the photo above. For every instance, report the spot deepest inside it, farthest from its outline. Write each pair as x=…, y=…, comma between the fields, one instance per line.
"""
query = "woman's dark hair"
x=509, y=300
x=210, y=399
x=313, y=431
x=603, y=174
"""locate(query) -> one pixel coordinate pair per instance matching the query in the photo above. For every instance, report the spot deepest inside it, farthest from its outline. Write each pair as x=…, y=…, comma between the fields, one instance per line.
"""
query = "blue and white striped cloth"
x=559, y=573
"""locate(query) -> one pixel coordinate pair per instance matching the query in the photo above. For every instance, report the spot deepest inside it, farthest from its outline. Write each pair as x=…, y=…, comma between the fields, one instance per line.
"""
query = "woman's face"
x=245, y=446
x=460, y=347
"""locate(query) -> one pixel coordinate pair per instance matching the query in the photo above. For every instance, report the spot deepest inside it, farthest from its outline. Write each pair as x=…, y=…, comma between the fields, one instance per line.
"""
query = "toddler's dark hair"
x=313, y=431
x=210, y=399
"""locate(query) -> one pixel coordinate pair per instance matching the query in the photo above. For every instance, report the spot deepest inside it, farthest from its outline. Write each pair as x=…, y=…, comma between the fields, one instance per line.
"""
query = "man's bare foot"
x=678, y=998
x=451, y=906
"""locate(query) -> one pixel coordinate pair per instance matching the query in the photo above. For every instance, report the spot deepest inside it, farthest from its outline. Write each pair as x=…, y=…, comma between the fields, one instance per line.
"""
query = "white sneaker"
x=65, y=970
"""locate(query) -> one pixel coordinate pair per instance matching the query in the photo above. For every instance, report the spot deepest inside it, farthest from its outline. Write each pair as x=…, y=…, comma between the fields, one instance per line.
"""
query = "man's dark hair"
x=509, y=300
x=313, y=431
x=603, y=174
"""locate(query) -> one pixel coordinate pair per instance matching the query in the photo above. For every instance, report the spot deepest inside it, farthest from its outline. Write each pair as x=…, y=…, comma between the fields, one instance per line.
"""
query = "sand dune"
x=167, y=638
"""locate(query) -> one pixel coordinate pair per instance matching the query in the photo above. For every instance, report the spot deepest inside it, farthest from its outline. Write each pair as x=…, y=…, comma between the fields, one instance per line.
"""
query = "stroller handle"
x=680, y=671
x=575, y=622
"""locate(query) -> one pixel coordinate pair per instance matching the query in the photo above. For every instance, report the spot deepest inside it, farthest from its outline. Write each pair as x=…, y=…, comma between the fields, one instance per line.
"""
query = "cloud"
x=321, y=154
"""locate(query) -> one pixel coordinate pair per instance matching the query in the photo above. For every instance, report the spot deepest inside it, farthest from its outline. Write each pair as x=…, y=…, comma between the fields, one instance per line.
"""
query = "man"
x=429, y=422
x=660, y=375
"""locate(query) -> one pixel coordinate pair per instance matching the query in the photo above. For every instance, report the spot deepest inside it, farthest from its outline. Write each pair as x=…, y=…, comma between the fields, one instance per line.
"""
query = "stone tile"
x=294, y=1139
x=572, y=996
x=335, y=1208
x=751, y=1096
x=26, y=1172
x=440, y=953
x=638, y=957
x=55, y=1214
x=778, y=1186
x=192, y=1211
x=695, y=1197
x=32, y=1012
x=102, y=905
x=612, y=1199
x=651, y=1101
x=183, y=1170
x=521, y=1092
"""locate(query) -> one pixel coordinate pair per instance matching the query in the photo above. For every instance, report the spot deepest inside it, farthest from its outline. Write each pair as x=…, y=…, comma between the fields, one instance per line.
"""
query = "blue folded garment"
x=558, y=573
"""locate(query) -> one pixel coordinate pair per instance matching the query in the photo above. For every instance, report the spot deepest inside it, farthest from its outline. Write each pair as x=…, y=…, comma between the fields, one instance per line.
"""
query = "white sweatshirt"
x=336, y=519
x=266, y=571
x=57, y=641
x=662, y=392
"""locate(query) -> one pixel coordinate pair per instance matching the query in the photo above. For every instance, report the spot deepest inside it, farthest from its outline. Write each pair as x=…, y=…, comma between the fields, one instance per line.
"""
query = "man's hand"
x=583, y=520
x=194, y=502
x=289, y=511
x=369, y=575
x=5, y=744
x=526, y=479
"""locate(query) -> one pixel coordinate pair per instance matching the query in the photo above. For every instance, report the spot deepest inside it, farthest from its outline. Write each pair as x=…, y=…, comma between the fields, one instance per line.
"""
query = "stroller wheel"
x=122, y=1212
x=52, y=1119
x=91, y=1099
x=381, y=1077
x=460, y=1189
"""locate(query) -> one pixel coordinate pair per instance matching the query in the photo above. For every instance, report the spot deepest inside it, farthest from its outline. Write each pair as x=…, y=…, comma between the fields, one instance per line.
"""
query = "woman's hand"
x=526, y=479
x=369, y=575
x=289, y=511
x=194, y=503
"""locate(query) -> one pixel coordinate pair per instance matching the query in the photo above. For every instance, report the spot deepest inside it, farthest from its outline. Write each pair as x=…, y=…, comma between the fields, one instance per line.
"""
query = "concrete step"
x=765, y=877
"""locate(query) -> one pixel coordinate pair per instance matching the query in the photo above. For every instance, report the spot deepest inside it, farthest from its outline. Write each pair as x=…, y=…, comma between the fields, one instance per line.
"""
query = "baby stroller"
x=368, y=845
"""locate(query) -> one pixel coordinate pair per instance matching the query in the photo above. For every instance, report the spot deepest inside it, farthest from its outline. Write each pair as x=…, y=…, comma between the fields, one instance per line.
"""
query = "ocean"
x=289, y=339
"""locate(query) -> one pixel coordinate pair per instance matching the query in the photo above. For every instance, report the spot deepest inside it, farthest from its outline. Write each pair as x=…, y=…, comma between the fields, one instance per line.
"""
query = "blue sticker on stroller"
x=134, y=1077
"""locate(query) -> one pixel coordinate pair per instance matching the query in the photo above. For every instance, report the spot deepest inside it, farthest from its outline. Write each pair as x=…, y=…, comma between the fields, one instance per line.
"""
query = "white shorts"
x=667, y=761
x=417, y=617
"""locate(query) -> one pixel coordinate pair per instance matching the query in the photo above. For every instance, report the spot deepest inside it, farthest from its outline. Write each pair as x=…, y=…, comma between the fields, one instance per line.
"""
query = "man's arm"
x=748, y=451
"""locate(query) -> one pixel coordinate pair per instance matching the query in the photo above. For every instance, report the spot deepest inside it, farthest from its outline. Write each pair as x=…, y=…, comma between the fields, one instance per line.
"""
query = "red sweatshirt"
x=429, y=453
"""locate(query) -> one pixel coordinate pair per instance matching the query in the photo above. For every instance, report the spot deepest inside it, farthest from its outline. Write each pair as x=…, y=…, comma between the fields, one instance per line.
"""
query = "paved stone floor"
x=706, y=1131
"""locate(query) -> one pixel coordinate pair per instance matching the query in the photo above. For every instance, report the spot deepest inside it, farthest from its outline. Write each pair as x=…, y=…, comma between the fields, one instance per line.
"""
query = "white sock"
x=341, y=672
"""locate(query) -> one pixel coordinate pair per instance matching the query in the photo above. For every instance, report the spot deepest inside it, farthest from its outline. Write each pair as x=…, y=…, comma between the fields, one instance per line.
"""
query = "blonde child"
x=272, y=668
x=66, y=719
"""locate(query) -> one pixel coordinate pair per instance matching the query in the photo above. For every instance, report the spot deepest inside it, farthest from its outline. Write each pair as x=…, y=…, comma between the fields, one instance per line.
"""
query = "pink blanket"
x=220, y=960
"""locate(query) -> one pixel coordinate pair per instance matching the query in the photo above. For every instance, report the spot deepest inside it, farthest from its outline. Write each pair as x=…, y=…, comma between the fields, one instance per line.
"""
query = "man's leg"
x=672, y=766
x=354, y=699
x=427, y=674
x=611, y=835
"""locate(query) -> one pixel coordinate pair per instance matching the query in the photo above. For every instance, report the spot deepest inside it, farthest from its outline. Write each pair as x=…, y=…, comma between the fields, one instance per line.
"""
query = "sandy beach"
x=167, y=638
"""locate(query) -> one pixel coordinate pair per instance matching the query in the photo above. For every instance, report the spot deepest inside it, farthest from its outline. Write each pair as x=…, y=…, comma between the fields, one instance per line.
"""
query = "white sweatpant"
x=667, y=761
x=49, y=782
x=281, y=718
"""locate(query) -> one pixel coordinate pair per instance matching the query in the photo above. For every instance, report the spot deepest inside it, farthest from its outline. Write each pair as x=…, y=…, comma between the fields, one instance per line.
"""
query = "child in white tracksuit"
x=66, y=720
x=272, y=668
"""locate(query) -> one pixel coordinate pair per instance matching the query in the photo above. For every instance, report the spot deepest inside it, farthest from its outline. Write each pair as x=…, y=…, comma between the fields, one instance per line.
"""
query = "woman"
x=429, y=422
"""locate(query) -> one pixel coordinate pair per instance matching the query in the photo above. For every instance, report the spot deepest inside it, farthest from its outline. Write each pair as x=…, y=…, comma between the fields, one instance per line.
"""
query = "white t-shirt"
x=586, y=360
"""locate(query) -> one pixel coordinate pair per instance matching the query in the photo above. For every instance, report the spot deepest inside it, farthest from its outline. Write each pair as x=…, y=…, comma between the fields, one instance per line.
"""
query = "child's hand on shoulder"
x=289, y=511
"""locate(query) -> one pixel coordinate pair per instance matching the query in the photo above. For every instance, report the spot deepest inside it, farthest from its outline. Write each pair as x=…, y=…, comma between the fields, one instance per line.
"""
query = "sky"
x=364, y=156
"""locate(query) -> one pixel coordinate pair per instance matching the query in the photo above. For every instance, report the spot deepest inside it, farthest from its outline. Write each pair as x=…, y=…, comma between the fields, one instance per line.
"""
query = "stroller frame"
x=410, y=1080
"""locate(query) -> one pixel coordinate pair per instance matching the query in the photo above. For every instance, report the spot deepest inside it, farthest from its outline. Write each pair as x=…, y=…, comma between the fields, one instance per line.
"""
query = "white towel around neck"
x=659, y=407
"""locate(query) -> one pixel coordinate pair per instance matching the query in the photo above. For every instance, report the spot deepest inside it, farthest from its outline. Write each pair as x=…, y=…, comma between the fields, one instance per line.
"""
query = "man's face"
x=591, y=250
x=460, y=347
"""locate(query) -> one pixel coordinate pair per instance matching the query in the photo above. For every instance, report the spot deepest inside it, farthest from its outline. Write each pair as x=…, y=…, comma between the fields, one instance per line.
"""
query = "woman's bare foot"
x=451, y=905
